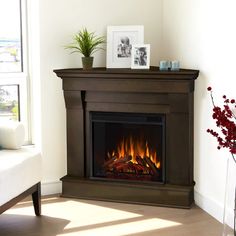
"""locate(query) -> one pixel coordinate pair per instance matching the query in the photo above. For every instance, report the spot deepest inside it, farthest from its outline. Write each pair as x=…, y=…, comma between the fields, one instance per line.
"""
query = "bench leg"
x=36, y=197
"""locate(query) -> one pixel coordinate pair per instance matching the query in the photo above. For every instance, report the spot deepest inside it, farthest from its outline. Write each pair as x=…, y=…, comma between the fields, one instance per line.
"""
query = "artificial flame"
x=134, y=148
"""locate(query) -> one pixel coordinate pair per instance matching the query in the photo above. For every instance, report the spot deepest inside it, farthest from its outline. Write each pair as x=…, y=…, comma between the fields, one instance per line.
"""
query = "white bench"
x=20, y=176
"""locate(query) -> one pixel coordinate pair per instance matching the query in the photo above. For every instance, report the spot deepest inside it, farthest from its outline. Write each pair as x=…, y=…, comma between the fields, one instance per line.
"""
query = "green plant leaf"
x=86, y=43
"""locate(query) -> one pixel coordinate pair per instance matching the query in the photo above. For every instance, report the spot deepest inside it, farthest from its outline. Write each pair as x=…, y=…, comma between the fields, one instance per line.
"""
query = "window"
x=13, y=66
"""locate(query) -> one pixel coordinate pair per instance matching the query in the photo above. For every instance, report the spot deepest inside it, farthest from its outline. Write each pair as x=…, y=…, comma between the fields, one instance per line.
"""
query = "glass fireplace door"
x=127, y=146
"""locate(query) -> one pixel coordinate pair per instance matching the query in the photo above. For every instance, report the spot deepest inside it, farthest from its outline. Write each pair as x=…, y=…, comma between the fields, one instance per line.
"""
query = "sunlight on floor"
x=78, y=217
x=103, y=220
x=95, y=214
x=81, y=211
x=126, y=228
x=90, y=219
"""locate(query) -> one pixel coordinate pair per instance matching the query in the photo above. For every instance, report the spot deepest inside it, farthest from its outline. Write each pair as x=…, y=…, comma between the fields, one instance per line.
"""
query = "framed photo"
x=140, y=56
x=119, y=44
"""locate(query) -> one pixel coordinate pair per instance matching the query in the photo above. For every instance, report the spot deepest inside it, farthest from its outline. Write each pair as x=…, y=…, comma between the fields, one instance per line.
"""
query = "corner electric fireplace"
x=129, y=135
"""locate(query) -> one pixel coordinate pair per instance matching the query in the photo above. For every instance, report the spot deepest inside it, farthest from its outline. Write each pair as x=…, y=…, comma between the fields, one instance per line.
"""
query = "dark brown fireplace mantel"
x=130, y=91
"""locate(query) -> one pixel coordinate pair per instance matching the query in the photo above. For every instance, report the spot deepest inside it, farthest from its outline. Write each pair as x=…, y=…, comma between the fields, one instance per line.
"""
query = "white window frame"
x=22, y=78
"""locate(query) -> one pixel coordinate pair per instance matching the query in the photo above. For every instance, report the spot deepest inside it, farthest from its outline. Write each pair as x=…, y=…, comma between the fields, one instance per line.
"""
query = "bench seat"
x=20, y=174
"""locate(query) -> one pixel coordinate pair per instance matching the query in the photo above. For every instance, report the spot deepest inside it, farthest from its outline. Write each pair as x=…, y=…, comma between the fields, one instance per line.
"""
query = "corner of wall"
x=213, y=208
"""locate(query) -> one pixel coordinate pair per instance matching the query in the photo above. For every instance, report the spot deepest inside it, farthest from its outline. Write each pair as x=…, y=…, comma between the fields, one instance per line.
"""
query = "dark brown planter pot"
x=87, y=63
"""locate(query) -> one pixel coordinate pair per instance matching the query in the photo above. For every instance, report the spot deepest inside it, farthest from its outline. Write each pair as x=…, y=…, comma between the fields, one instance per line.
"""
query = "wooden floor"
x=67, y=217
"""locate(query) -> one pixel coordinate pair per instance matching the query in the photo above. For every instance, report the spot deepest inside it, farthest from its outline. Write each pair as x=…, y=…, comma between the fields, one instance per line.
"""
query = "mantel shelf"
x=153, y=72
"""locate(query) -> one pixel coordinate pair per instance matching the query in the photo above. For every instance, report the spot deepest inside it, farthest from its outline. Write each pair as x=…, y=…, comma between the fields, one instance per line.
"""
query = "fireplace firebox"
x=128, y=146
x=130, y=135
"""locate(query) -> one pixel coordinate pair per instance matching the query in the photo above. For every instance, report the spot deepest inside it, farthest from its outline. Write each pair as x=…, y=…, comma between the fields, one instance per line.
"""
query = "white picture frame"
x=119, y=44
x=140, y=56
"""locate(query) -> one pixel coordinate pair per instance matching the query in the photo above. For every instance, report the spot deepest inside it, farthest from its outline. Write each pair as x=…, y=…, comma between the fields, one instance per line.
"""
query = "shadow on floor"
x=11, y=224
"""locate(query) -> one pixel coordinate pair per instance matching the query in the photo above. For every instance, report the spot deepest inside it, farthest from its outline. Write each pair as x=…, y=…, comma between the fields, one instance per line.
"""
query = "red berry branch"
x=226, y=121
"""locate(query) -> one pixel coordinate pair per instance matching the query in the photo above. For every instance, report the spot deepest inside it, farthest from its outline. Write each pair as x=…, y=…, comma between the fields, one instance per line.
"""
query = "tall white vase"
x=230, y=198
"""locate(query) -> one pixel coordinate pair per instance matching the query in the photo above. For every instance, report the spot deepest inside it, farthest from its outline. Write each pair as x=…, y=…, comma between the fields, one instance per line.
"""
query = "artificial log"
x=120, y=167
x=124, y=167
x=153, y=167
x=110, y=161
x=139, y=169
x=144, y=166
x=142, y=169
x=123, y=159
x=140, y=161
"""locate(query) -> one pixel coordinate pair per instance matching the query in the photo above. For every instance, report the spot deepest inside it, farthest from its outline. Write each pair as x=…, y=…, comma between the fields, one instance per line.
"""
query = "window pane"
x=9, y=102
x=10, y=36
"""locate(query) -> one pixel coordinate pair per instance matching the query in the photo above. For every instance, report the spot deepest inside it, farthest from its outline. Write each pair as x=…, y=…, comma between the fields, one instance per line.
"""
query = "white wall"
x=58, y=21
x=202, y=35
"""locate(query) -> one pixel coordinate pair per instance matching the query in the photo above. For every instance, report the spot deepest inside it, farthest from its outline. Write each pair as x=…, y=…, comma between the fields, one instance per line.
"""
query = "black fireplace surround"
x=129, y=135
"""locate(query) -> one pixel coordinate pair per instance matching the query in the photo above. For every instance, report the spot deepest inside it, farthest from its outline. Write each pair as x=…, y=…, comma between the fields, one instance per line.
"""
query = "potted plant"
x=86, y=43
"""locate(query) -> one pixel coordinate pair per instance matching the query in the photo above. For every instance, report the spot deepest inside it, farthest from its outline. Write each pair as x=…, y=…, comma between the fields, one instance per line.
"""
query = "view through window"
x=10, y=36
x=9, y=102
x=13, y=72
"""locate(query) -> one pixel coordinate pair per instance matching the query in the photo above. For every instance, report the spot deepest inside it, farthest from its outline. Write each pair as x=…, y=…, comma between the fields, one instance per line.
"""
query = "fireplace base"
x=150, y=194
